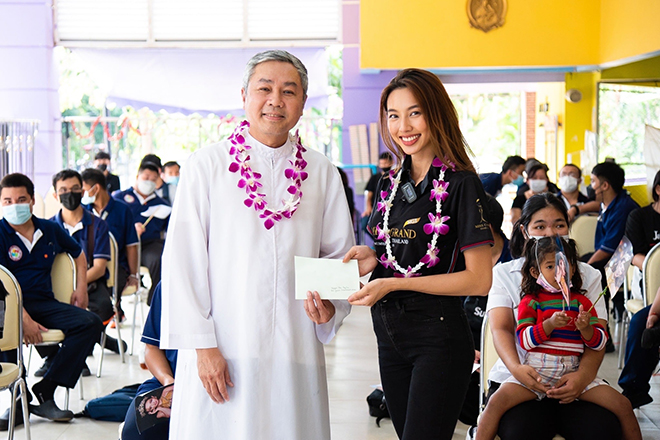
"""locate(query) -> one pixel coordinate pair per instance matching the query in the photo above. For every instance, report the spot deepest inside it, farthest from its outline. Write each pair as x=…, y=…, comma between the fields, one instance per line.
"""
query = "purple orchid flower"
x=381, y=234
x=409, y=274
x=257, y=200
x=437, y=224
x=386, y=262
x=431, y=258
x=439, y=191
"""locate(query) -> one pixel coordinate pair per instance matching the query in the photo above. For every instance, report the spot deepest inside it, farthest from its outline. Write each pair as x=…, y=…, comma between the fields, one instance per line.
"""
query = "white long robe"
x=229, y=283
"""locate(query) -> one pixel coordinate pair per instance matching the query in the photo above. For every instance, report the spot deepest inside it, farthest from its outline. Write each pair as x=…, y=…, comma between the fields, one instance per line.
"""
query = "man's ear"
x=243, y=96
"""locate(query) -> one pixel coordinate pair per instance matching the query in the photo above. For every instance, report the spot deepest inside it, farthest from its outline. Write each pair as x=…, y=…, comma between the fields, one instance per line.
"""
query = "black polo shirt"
x=468, y=224
x=643, y=229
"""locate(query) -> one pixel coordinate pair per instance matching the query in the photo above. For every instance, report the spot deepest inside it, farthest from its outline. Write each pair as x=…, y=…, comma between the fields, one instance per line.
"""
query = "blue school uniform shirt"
x=156, y=225
x=32, y=268
x=119, y=218
x=612, y=222
x=492, y=183
x=101, y=247
x=151, y=330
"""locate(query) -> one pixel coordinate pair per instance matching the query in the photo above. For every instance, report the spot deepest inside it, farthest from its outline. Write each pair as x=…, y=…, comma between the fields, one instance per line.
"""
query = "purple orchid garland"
x=437, y=225
x=250, y=179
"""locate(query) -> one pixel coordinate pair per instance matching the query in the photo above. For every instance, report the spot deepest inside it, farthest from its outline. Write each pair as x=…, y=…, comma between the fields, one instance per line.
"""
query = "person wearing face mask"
x=28, y=246
x=512, y=170
x=102, y=163
x=147, y=208
x=385, y=162
x=537, y=182
x=91, y=233
x=120, y=221
x=570, y=177
x=543, y=215
x=170, y=176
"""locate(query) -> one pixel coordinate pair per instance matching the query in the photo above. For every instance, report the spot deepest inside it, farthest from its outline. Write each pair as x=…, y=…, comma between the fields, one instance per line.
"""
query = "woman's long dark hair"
x=439, y=112
x=535, y=252
x=533, y=205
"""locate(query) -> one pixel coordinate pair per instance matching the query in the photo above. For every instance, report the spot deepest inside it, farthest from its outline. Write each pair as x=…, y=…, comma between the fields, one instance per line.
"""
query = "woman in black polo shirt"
x=429, y=228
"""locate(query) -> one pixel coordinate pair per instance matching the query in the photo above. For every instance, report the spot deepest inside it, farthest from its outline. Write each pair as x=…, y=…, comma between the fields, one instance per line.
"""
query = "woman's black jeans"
x=425, y=352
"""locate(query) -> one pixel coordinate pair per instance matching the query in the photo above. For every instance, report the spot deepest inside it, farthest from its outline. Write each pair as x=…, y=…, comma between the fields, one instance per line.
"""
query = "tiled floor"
x=352, y=369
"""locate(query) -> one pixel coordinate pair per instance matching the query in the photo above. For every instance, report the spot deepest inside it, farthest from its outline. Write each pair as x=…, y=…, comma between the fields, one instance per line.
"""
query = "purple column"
x=29, y=79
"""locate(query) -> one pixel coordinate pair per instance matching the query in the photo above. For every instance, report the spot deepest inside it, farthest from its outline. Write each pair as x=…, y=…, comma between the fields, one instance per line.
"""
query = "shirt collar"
x=85, y=221
x=144, y=200
x=425, y=183
x=35, y=238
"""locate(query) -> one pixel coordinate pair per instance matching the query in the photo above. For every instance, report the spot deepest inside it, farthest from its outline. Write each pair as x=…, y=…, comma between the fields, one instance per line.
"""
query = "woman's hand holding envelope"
x=365, y=256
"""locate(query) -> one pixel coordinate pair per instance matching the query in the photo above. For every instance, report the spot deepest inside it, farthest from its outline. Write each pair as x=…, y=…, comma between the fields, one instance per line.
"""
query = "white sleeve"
x=591, y=279
x=336, y=239
x=499, y=295
x=186, y=321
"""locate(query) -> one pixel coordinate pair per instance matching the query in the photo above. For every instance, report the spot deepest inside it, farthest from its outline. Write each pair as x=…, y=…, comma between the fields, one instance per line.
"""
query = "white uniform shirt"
x=505, y=292
x=228, y=282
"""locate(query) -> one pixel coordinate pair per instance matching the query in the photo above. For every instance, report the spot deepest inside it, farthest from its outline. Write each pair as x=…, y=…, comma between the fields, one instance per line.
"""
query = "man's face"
x=92, y=190
x=148, y=175
x=68, y=185
x=384, y=164
x=104, y=162
x=599, y=187
x=16, y=195
x=570, y=171
x=273, y=102
x=172, y=171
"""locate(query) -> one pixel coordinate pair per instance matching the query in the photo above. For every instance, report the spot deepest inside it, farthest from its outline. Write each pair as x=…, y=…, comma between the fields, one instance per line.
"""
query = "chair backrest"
x=63, y=276
x=39, y=208
x=583, y=231
x=488, y=358
x=651, y=274
x=51, y=205
x=114, y=261
x=13, y=330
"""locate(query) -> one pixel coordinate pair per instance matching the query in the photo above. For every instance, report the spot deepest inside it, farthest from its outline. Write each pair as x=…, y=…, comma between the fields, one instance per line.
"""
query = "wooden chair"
x=12, y=339
x=63, y=276
x=583, y=231
x=113, y=267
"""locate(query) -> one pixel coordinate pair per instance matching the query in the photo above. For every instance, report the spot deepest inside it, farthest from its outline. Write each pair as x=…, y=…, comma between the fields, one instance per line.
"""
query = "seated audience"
x=643, y=230
x=162, y=364
x=554, y=332
x=538, y=182
x=28, y=246
x=512, y=172
x=119, y=218
x=531, y=162
x=570, y=177
x=102, y=163
x=543, y=215
x=170, y=176
x=150, y=223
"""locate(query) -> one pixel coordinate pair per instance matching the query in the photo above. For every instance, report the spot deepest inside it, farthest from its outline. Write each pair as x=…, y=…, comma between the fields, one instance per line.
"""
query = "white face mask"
x=537, y=185
x=87, y=199
x=146, y=187
x=568, y=183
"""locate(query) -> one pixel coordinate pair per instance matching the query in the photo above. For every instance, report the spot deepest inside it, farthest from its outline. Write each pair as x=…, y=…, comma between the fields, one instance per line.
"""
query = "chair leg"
x=29, y=359
x=120, y=342
x=622, y=339
x=136, y=298
x=12, y=409
x=66, y=398
x=26, y=412
x=80, y=381
x=103, y=339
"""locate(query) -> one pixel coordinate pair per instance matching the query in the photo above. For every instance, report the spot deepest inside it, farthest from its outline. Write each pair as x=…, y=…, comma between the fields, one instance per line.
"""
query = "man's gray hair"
x=276, y=55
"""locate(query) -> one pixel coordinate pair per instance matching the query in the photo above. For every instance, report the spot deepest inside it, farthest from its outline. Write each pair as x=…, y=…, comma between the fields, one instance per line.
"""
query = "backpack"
x=377, y=406
x=113, y=407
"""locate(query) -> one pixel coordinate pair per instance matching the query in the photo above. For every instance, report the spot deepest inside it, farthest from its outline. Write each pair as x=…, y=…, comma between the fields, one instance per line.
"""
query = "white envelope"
x=332, y=279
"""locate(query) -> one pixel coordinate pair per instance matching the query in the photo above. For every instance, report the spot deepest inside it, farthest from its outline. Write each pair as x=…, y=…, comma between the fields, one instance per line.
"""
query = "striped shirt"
x=564, y=341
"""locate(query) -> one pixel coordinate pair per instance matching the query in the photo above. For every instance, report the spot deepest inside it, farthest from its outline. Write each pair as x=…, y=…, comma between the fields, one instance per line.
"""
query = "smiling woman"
x=425, y=345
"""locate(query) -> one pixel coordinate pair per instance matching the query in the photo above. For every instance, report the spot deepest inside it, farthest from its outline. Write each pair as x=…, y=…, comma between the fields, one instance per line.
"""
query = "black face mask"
x=71, y=200
x=102, y=167
x=386, y=170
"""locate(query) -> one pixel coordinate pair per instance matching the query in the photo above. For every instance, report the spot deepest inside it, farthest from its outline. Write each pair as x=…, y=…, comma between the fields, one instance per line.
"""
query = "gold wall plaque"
x=486, y=15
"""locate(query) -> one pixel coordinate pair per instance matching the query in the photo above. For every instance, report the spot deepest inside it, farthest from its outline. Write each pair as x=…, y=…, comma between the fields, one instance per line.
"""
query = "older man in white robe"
x=251, y=362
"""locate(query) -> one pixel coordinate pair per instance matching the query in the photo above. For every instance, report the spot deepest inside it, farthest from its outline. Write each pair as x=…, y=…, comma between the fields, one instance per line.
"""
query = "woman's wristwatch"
x=137, y=277
x=577, y=208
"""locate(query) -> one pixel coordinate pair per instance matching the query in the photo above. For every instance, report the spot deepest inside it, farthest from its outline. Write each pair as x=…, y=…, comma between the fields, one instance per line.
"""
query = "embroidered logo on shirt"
x=129, y=198
x=15, y=253
x=412, y=221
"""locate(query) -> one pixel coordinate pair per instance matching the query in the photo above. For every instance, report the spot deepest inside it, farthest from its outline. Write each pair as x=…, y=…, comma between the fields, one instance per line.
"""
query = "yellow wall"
x=437, y=34
x=628, y=28
x=580, y=116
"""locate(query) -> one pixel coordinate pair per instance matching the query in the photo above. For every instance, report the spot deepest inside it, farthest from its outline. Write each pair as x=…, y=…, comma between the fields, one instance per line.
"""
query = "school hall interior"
x=577, y=82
